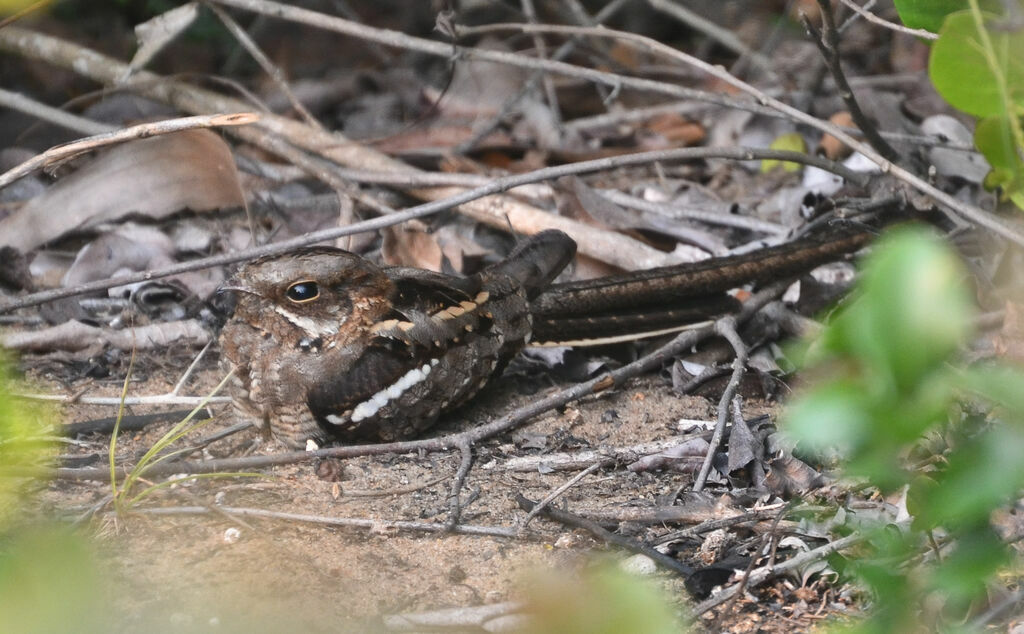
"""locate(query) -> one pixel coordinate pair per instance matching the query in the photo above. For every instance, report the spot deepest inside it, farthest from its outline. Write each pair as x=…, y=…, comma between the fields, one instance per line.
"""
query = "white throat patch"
x=319, y=329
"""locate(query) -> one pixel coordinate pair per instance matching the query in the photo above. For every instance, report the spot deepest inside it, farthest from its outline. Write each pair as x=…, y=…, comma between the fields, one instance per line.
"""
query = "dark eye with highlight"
x=302, y=292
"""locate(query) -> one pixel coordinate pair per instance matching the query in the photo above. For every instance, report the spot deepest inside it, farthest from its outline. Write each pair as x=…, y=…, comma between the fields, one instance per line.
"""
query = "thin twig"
x=723, y=36
x=598, y=531
x=107, y=70
x=767, y=538
x=141, y=131
x=268, y=66
x=764, y=573
x=159, y=399
x=756, y=515
x=509, y=421
x=454, y=497
x=969, y=212
x=551, y=497
x=426, y=209
x=726, y=327
x=56, y=116
x=347, y=522
x=563, y=51
x=708, y=217
x=871, y=17
x=827, y=41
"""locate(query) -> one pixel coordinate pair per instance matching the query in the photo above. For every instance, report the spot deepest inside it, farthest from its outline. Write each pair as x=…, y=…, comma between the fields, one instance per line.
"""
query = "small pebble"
x=232, y=535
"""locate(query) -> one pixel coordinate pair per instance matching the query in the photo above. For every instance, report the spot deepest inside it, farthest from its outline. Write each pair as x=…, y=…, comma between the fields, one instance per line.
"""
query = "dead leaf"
x=151, y=177
x=744, y=447
x=407, y=245
x=676, y=129
x=832, y=147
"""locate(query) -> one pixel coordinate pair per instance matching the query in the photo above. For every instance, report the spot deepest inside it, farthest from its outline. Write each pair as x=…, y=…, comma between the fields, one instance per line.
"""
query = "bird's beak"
x=233, y=285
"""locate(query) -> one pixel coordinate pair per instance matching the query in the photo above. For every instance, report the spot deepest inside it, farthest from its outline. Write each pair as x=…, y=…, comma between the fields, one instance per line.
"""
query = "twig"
x=129, y=422
x=454, y=497
x=142, y=131
x=598, y=531
x=56, y=116
x=995, y=610
x=472, y=619
x=593, y=240
x=400, y=40
x=764, y=573
x=708, y=217
x=107, y=70
x=160, y=399
x=348, y=522
x=767, y=538
x=827, y=41
x=871, y=17
x=268, y=66
x=542, y=51
x=560, y=53
x=76, y=335
x=551, y=497
x=726, y=327
x=509, y=421
x=706, y=526
x=723, y=36
x=971, y=213
x=567, y=461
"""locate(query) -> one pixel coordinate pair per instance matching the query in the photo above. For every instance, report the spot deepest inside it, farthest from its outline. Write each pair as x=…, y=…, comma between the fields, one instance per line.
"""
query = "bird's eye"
x=302, y=292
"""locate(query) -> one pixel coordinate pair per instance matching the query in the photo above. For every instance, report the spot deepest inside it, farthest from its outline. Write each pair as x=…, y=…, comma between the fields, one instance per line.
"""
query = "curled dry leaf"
x=152, y=177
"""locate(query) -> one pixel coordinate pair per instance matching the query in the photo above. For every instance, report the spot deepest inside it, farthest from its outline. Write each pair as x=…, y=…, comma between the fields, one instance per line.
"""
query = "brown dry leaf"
x=457, y=247
x=832, y=147
x=151, y=177
x=676, y=129
x=407, y=245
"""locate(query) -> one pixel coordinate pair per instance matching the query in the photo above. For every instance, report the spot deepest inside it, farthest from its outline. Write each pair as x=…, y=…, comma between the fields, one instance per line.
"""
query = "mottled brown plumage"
x=328, y=346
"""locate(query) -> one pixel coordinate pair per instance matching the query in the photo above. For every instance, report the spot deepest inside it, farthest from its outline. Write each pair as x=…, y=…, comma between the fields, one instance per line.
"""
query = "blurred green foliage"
x=48, y=578
x=604, y=600
x=889, y=387
x=25, y=449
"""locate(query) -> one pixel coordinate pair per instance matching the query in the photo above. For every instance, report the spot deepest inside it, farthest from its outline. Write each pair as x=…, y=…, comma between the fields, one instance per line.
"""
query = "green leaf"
x=994, y=138
x=968, y=75
x=793, y=142
x=926, y=14
x=929, y=14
